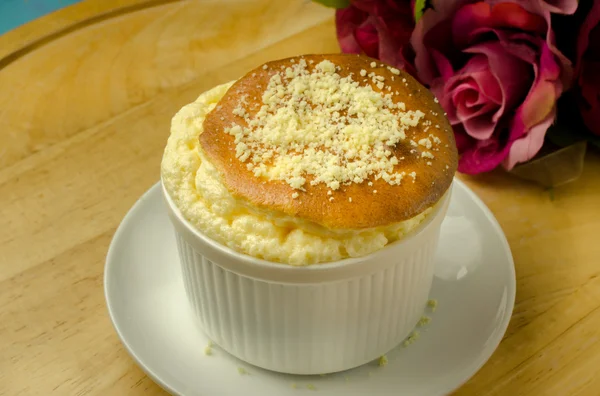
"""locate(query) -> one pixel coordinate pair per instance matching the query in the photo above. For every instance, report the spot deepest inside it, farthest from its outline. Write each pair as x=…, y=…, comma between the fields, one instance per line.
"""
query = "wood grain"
x=86, y=97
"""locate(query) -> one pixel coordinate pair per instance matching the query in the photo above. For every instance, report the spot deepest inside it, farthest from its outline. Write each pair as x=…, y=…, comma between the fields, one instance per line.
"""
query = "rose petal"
x=483, y=156
x=463, y=141
x=438, y=89
x=444, y=66
x=471, y=103
x=346, y=21
x=378, y=28
x=467, y=19
x=526, y=147
x=394, y=35
x=533, y=28
x=560, y=6
x=367, y=37
x=479, y=69
x=542, y=96
x=481, y=127
x=384, y=7
x=477, y=80
x=566, y=68
x=589, y=91
x=471, y=96
x=423, y=39
x=511, y=73
x=583, y=40
x=472, y=17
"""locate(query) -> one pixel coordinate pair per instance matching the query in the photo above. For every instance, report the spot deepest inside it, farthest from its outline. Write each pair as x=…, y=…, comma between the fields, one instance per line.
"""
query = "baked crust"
x=354, y=205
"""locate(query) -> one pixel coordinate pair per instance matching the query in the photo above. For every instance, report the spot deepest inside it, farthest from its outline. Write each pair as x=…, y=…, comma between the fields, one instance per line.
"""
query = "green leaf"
x=420, y=6
x=334, y=3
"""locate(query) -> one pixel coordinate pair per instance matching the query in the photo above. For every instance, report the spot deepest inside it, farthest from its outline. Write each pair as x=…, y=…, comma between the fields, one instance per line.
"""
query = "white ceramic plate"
x=474, y=286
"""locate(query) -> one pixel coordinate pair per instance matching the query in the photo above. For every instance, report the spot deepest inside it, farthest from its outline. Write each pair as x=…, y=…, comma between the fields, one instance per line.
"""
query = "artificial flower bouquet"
x=519, y=79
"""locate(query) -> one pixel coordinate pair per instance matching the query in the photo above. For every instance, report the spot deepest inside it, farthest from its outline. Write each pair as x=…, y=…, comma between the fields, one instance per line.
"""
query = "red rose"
x=378, y=28
x=587, y=67
x=494, y=67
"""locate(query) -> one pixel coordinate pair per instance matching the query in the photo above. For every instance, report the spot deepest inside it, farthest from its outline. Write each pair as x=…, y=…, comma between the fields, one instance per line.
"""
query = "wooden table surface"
x=86, y=97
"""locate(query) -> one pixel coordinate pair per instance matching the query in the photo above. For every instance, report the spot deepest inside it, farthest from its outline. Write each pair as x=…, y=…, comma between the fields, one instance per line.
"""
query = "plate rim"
x=121, y=229
x=477, y=363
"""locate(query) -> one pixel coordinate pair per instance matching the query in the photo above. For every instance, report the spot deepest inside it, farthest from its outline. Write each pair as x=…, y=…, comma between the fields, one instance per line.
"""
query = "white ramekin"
x=317, y=319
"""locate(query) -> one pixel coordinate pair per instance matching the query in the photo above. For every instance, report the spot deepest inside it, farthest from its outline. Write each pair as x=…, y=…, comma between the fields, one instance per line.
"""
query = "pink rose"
x=378, y=28
x=559, y=6
x=587, y=65
x=494, y=67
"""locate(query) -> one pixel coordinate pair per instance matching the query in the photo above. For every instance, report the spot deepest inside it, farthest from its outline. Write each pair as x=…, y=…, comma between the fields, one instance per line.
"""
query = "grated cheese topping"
x=316, y=126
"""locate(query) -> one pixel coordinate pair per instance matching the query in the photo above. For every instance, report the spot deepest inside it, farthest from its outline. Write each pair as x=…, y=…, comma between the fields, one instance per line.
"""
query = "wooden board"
x=86, y=97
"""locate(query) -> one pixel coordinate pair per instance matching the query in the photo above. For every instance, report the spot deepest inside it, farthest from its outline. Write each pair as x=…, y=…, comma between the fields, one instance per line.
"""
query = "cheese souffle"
x=310, y=159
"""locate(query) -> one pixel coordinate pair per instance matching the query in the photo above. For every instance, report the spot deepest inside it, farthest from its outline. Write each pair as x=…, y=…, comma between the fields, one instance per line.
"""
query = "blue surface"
x=14, y=13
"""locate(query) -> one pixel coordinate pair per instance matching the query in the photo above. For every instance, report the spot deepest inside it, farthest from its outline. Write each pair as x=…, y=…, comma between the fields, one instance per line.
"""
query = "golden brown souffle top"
x=426, y=157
